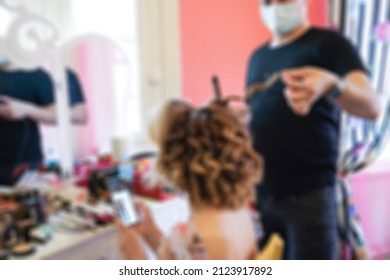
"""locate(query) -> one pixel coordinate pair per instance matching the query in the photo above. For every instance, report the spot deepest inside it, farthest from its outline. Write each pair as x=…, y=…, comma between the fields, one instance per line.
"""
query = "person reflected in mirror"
x=26, y=100
x=77, y=101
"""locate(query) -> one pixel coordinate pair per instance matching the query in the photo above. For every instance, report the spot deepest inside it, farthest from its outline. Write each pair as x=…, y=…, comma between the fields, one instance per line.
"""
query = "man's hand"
x=13, y=109
x=305, y=86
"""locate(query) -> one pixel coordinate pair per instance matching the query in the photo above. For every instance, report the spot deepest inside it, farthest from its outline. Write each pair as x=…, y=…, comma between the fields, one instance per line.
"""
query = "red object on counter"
x=142, y=189
x=83, y=170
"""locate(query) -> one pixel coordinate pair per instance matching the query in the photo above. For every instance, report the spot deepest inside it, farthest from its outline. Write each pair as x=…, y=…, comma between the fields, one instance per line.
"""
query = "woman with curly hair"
x=205, y=153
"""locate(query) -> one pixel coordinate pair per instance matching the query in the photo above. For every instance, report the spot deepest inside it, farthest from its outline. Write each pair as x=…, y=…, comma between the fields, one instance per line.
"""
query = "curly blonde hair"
x=207, y=153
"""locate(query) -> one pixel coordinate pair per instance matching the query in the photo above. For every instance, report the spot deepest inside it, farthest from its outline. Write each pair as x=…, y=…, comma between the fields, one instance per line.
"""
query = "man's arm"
x=343, y=68
x=14, y=110
x=358, y=97
x=45, y=115
x=305, y=86
x=79, y=114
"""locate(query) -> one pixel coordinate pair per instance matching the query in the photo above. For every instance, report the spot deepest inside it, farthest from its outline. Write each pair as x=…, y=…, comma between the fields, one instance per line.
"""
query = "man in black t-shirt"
x=295, y=125
x=27, y=99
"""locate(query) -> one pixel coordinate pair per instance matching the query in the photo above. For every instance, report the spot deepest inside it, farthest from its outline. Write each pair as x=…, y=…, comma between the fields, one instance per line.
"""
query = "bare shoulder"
x=232, y=237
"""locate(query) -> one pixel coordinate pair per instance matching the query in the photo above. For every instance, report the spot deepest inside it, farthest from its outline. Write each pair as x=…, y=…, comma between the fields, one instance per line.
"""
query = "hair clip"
x=216, y=87
x=218, y=93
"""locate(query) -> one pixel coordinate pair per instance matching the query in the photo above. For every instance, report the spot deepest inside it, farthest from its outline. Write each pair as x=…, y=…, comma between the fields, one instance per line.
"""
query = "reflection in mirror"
x=103, y=85
x=100, y=83
x=109, y=84
x=26, y=93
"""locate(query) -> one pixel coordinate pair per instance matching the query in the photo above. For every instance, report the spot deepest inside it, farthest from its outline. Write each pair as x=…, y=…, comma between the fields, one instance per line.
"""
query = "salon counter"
x=102, y=243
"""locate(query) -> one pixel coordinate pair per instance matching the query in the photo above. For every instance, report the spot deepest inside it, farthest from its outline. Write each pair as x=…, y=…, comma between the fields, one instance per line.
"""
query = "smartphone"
x=123, y=201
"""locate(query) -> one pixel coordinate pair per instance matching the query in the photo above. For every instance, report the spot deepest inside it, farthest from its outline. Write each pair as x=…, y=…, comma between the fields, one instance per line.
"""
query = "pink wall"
x=217, y=37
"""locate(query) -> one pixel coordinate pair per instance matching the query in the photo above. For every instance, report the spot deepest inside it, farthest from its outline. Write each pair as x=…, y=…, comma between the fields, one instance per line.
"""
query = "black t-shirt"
x=300, y=153
x=76, y=95
x=20, y=141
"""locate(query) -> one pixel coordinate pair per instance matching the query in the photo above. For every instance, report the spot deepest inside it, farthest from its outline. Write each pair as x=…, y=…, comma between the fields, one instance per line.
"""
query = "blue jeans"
x=308, y=223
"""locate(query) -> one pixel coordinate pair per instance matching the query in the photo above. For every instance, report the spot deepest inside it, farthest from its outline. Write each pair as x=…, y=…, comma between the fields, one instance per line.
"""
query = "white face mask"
x=281, y=19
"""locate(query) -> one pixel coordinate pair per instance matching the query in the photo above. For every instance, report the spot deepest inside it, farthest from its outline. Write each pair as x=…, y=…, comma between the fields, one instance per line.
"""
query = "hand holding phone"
x=123, y=202
x=147, y=229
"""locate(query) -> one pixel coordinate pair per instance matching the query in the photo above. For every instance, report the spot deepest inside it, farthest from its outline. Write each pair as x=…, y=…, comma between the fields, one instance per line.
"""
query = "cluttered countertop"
x=45, y=217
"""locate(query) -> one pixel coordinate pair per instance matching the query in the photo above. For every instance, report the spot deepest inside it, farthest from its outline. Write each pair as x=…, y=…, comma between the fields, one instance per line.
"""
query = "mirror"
x=103, y=57
x=102, y=97
x=27, y=92
x=100, y=79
